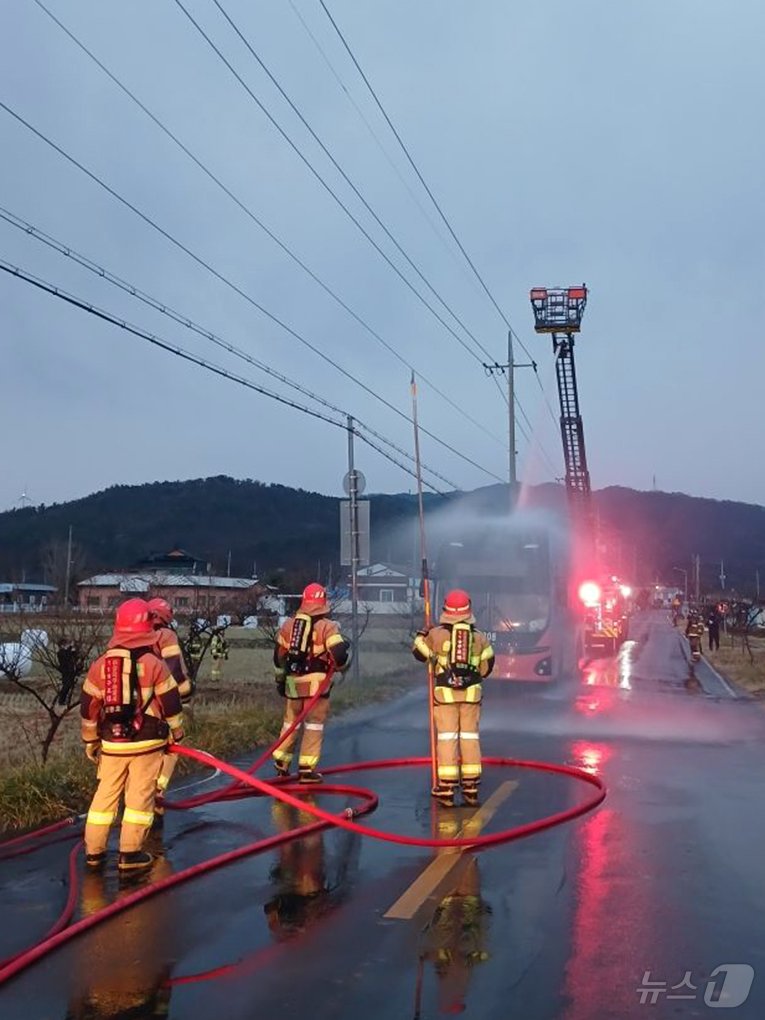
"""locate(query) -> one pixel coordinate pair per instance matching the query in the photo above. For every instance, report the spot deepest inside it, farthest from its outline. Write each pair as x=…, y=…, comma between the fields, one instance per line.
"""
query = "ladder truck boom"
x=558, y=311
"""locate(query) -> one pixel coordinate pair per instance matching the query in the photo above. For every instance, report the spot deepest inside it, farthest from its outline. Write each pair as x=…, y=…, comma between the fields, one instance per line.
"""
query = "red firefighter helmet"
x=314, y=601
x=161, y=610
x=457, y=608
x=133, y=617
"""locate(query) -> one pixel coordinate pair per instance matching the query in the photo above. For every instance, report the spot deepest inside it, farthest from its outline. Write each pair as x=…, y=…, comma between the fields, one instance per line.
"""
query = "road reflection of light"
x=589, y=756
x=594, y=701
x=612, y=672
x=626, y=664
x=614, y=920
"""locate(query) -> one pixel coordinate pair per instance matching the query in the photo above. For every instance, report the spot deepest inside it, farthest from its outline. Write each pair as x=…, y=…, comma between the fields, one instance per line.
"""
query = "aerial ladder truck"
x=558, y=312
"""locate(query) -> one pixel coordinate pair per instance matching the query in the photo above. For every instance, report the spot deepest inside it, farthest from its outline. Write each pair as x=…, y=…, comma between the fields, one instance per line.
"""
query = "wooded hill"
x=296, y=532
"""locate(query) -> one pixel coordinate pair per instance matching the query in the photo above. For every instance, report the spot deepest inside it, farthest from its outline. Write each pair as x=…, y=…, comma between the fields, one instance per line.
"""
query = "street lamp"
x=684, y=572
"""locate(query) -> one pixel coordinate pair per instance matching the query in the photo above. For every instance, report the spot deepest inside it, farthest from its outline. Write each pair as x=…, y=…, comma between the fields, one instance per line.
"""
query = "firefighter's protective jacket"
x=694, y=628
x=436, y=646
x=327, y=649
x=170, y=651
x=160, y=702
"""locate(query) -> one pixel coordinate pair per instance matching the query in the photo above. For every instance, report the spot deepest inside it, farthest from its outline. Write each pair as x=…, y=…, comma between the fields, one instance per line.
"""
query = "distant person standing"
x=219, y=653
x=713, y=628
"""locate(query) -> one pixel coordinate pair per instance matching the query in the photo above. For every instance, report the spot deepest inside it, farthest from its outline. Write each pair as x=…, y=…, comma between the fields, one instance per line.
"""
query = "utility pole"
x=353, y=495
x=68, y=567
x=697, y=578
x=509, y=370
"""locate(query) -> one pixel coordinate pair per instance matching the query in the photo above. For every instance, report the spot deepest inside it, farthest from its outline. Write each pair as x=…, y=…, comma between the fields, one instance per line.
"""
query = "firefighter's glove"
x=93, y=751
x=179, y=735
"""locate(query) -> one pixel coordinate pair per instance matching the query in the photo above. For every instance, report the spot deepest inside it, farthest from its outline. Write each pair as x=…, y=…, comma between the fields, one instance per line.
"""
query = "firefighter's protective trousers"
x=313, y=732
x=458, y=748
x=456, y=709
x=137, y=776
x=169, y=761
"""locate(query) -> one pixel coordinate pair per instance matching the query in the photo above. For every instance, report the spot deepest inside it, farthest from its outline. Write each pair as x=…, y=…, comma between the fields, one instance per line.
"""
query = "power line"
x=326, y=186
x=185, y=321
x=248, y=212
x=531, y=437
x=181, y=352
x=238, y=290
x=376, y=138
x=433, y=198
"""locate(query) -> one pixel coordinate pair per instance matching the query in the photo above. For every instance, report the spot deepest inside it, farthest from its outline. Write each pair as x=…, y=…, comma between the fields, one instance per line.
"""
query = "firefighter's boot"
x=281, y=768
x=444, y=794
x=96, y=861
x=470, y=793
x=134, y=860
x=308, y=775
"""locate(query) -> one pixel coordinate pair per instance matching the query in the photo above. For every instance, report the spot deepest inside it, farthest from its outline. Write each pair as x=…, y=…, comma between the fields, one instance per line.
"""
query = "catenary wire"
x=181, y=352
x=238, y=290
x=188, y=323
x=435, y=202
x=312, y=169
x=252, y=216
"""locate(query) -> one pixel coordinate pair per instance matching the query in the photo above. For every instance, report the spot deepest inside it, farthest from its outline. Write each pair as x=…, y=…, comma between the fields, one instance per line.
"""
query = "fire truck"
x=606, y=615
x=605, y=602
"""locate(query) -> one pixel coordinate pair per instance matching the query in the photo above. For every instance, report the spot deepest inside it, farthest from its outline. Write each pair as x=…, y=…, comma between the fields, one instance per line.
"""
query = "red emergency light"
x=590, y=592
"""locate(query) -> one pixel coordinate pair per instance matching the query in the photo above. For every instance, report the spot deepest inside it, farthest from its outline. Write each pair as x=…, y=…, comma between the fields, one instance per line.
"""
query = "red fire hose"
x=280, y=789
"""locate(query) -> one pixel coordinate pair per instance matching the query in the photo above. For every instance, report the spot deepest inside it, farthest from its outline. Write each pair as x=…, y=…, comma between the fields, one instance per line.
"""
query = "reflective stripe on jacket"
x=435, y=647
x=170, y=651
x=327, y=646
x=160, y=700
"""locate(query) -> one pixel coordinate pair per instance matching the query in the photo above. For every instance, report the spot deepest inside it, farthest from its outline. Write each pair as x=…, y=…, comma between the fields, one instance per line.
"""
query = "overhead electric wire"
x=328, y=187
x=188, y=323
x=186, y=355
x=434, y=200
x=377, y=140
x=256, y=219
x=233, y=286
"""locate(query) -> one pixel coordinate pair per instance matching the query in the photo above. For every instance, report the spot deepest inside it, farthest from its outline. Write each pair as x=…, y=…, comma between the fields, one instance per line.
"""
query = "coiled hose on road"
x=246, y=784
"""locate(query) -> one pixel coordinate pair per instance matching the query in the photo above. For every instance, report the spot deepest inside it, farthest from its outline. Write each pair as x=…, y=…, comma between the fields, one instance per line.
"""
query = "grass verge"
x=235, y=724
x=734, y=662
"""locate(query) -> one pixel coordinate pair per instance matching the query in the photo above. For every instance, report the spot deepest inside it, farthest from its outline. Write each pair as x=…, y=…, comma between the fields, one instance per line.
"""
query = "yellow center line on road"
x=440, y=870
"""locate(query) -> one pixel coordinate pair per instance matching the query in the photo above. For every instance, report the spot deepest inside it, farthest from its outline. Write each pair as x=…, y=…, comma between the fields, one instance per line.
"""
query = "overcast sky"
x=616, y=142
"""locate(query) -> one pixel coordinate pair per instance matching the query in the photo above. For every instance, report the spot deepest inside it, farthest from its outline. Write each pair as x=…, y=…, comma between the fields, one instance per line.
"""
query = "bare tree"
x=59, y=563
x=62, y=652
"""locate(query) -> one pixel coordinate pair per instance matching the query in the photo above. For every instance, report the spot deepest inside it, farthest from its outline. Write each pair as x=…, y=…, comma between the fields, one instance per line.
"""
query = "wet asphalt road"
x=667, y=877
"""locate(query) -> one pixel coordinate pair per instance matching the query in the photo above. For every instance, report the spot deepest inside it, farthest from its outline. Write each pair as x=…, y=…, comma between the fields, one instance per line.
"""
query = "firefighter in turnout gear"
x=130, y=709
x=170, y=651
x=462, y=658
x=219, y=653
x=694, y=631
x=309, y=647
x=195, y=648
